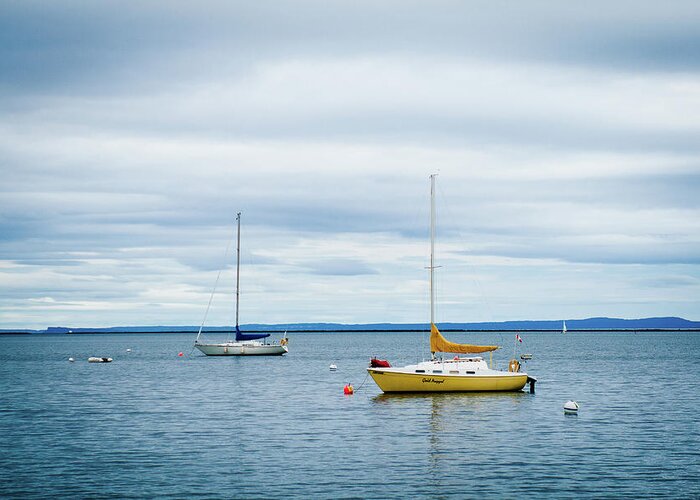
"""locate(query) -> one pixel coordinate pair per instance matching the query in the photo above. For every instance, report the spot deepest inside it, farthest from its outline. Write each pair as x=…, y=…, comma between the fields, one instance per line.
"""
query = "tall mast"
x=432, y=248
x=238, y=264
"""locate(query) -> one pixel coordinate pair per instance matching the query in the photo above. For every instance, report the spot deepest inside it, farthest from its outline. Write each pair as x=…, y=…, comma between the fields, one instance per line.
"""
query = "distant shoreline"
x=596, y=324
x=357, y=330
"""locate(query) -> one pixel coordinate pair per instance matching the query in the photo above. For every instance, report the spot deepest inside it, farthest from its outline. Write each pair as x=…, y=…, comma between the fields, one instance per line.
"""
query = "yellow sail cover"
x=438, y=343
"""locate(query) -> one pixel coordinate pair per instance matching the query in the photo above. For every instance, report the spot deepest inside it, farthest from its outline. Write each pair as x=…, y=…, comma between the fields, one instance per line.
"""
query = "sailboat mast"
x=432, y=248
x=238, y=264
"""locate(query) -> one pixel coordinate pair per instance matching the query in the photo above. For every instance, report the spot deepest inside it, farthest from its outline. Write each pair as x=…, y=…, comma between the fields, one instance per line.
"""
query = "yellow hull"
x=391, y=381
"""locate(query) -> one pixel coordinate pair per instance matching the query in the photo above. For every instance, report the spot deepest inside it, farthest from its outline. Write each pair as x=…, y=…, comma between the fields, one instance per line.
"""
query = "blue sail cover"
x=249, y=336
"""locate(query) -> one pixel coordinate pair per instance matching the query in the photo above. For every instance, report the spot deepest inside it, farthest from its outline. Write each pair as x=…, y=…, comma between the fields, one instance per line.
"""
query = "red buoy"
x=348, y=389
x=179, y=353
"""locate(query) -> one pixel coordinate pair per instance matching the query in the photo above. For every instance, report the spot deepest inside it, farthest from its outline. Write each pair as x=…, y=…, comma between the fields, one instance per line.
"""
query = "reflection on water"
x=454, y=421
x=446, y=397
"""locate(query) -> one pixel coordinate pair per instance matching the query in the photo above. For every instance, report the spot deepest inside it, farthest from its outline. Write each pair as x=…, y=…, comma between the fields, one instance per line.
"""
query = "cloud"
x=47, y=300
x=671, y=282
x=74, y=46
x=341, y=267
x=379, y=99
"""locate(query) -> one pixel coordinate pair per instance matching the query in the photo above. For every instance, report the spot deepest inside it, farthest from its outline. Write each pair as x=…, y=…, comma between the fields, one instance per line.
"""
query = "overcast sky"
x=566, y=137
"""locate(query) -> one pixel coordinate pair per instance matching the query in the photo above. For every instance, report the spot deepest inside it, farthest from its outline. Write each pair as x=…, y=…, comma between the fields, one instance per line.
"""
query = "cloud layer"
x=565, y=138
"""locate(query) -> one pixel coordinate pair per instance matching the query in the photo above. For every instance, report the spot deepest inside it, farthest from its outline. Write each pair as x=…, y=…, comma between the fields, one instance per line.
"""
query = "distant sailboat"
x=246, y=344
x=563, y=327
x=461, y=374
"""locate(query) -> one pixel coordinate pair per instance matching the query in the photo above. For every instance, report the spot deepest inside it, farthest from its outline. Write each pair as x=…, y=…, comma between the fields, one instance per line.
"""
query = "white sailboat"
x=458, y=374
x=563, y=327
x=246, y=344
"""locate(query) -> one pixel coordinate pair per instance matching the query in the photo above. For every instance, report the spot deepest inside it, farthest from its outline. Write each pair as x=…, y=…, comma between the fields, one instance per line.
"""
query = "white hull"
x=251, y=348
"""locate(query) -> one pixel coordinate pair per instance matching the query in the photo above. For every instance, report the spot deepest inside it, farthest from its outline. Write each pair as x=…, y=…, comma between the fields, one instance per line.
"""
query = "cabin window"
x=471, y=373
x=420, y=371
x=437, y=371
x=454, y=371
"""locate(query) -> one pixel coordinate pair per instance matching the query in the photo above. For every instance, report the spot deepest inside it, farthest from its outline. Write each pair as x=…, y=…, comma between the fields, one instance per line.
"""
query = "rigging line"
x=363, y=383
x=472, y=269
x=216, y=283
x=463, y=244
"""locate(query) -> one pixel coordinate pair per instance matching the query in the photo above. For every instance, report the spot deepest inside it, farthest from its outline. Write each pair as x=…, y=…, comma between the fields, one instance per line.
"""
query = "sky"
x=565, y=136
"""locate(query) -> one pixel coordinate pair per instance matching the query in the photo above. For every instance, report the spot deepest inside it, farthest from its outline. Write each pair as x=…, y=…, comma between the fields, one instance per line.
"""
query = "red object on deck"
x=379, y=363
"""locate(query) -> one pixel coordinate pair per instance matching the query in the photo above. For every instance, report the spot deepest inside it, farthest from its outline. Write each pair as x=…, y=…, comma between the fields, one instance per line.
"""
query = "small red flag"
x=518, y=337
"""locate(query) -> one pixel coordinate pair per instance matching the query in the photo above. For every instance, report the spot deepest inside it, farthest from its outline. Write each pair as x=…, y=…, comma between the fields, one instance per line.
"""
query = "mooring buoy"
x=571, y=408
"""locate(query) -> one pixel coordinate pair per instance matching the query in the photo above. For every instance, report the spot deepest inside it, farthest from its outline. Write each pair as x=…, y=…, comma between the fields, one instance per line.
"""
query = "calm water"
x=152, y=424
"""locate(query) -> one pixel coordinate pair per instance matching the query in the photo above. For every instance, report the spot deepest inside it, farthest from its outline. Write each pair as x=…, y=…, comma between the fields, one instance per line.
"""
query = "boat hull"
x=242, y=349
x=397, y=381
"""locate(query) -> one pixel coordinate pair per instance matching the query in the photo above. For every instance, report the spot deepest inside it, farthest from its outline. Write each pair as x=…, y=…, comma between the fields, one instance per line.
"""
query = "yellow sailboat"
x=458, y=374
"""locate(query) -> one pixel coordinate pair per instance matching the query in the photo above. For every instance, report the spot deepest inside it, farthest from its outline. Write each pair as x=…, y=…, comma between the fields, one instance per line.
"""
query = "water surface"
x=152, y=424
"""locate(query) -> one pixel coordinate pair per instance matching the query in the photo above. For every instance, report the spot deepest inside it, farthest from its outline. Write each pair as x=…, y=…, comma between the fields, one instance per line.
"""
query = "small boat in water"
x=245, y=344
x=563, y=327
x=94, y=359
x=460, y=374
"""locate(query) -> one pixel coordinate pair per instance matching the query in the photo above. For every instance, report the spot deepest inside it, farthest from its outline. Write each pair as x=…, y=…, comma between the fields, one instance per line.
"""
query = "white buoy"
x=332, y=367
x=128, y=350
x=71, y=359
x=571, y=408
